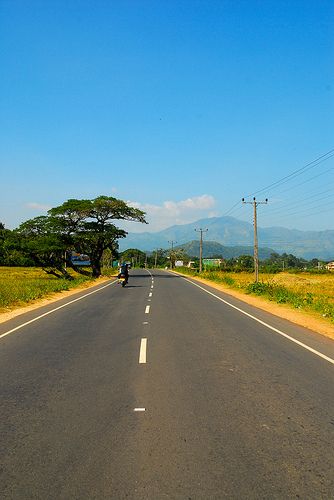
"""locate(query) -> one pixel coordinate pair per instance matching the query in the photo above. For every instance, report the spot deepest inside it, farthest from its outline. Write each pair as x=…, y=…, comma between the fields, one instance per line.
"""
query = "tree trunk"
x=95, y=261
x=96, y=268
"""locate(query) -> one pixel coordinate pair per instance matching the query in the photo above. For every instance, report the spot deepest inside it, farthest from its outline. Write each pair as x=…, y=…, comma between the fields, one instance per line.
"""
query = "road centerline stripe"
x=142, y=351
x=147, y=310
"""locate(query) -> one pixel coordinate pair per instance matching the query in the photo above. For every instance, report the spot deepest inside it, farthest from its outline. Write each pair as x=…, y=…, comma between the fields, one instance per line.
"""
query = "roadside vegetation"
x=81, y=227
x=21, y=285
x=303, y=290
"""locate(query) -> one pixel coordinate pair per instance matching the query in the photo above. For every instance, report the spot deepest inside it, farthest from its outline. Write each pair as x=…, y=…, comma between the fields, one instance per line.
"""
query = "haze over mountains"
x=229, y=231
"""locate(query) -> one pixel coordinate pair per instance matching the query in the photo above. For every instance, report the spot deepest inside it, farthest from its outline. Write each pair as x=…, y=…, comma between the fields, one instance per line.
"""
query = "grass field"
x=306, y=291
x=21, y=285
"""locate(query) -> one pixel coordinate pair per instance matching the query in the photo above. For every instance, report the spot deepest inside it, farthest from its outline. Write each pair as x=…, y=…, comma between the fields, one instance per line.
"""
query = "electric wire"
x=237, y=207
x=296, y=173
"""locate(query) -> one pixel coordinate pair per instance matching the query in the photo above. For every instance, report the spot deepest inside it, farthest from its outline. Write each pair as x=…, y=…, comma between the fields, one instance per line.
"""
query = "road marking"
x=301, y=344
x=151, y=286
x=142, y=352
x=56, y=309
x=139, y=409
x=147, y=310
x=145, y=322
x=150, y=294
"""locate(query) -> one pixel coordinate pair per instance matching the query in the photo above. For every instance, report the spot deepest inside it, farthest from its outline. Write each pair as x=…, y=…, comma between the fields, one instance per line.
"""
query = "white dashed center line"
x=147, y=310
x=142, y=352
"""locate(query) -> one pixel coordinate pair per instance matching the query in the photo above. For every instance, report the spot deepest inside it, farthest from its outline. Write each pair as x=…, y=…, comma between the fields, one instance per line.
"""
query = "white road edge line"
x=54, y=310
x=147, y=310
x=142, y=352
x=301, y=344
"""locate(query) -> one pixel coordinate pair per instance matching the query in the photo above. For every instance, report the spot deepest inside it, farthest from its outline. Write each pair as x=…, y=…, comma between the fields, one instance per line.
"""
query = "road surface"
x=164, y=389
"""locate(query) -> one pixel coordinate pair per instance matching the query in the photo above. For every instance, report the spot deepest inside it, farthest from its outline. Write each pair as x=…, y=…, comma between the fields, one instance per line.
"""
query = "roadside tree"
x=81, y=225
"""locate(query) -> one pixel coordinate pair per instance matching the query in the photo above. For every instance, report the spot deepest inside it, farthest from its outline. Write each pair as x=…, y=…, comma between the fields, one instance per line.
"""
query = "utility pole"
x=201, y=247
x=256, y=247
x=171, y=254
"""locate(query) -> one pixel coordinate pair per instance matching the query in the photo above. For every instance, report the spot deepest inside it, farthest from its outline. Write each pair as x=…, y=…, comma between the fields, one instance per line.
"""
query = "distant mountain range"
x=214, y=249
x=231, y=232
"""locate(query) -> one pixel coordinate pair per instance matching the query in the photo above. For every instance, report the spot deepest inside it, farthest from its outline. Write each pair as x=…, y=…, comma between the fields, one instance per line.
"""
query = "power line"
x=297, y=172
x=308, y=180
x=314, y=163
x=292, y=205
x=288, y=214
x=231, y=209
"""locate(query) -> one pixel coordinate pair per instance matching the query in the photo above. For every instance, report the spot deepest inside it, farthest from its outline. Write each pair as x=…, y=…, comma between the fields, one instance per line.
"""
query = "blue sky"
x=179, y=107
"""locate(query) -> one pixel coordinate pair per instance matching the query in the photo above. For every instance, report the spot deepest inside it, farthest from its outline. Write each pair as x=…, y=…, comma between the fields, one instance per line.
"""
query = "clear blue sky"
x=181, y=107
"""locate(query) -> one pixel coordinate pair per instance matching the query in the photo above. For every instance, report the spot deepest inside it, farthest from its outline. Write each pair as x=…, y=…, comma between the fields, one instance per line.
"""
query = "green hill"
x=214, y=249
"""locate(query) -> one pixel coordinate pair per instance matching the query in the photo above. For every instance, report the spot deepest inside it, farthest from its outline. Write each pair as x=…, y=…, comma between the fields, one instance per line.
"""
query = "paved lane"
x=232, y=410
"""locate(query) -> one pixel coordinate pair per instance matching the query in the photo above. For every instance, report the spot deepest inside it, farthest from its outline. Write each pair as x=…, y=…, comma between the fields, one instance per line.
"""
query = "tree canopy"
x=85, y=226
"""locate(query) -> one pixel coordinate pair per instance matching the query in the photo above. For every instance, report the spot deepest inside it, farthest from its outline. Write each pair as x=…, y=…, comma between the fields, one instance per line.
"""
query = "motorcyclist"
x=124, y=269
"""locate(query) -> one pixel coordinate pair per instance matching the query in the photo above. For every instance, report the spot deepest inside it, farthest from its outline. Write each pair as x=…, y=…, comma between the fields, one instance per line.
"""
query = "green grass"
x=19, y=285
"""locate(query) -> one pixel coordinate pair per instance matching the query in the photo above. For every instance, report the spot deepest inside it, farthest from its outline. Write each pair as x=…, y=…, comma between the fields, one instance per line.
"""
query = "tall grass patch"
x=22, y=285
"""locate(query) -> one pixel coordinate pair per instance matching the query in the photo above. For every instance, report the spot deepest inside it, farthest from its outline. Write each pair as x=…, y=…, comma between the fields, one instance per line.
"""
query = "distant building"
x=79, y=259
x=330, y=266
x=212, y=262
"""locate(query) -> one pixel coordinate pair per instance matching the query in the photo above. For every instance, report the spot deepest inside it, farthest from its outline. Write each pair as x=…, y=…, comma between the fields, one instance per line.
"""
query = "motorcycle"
x=122, y=279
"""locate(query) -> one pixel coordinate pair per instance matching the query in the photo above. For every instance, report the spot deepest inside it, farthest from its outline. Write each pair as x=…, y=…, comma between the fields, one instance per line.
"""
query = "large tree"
x=82, y=225
x=89, y=222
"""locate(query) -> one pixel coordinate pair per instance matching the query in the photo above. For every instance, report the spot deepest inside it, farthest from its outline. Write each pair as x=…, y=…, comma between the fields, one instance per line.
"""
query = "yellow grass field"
x=21, y=285
x=320, y=285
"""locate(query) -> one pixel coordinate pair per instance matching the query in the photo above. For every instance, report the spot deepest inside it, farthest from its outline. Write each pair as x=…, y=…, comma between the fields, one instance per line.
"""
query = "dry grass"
x=319, y=285
x=21, y=285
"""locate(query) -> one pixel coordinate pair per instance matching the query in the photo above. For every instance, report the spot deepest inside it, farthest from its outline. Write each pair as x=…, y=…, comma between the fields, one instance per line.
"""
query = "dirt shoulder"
x=302, y=318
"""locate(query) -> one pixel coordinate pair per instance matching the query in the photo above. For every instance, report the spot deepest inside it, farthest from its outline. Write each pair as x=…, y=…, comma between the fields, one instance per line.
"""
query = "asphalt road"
x=163, y=390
